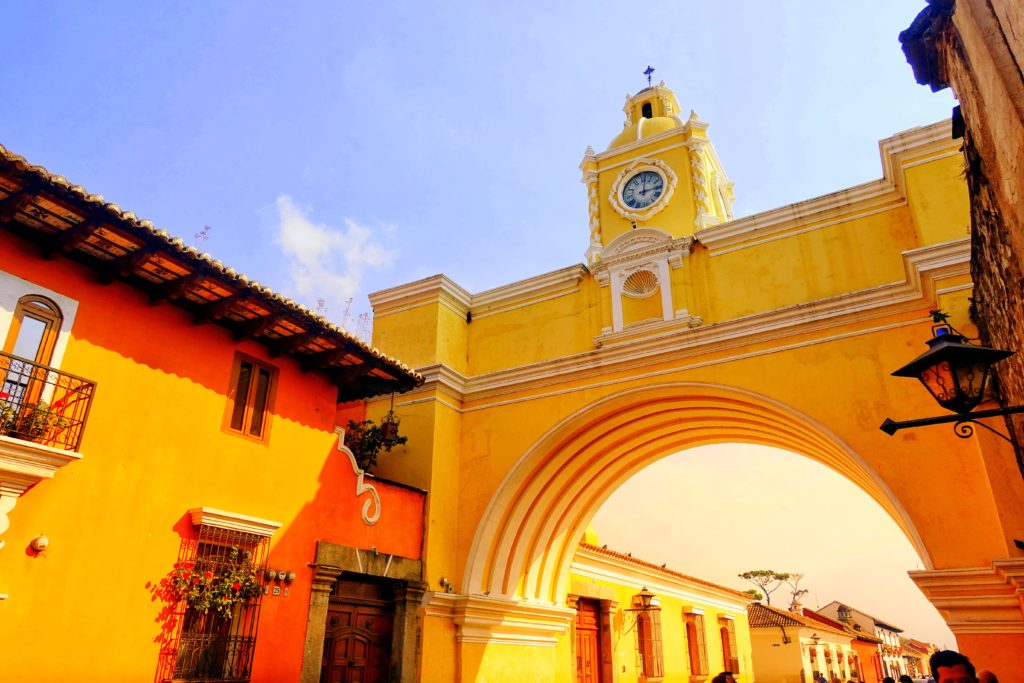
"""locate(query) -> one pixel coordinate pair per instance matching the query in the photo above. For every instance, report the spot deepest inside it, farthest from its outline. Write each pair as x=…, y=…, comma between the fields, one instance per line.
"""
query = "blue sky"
x=340, y=147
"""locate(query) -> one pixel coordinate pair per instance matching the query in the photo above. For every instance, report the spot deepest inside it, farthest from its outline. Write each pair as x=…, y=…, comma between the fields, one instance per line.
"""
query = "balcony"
x=42, y=404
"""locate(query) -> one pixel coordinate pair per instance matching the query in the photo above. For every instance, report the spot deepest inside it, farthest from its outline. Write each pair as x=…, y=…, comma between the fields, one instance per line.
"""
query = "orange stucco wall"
x=154, y=447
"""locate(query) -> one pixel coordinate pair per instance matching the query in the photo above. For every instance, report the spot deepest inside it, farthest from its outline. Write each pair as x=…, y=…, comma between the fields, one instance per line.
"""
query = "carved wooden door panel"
x=357, y=643
x=588, y=649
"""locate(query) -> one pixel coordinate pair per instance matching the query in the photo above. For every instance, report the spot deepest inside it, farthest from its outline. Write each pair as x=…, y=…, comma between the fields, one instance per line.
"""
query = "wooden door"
x=357, y=641
x=588, y=641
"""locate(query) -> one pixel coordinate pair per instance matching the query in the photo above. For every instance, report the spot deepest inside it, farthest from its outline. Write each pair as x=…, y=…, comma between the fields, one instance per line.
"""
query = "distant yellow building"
x=637, y=621
x=687, y=326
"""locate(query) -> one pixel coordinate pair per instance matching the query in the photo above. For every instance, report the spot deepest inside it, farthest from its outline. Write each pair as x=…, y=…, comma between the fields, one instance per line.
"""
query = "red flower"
x=4, y=394
x=207, y=575
x=195, y=579
x=225, y=599
x=188, y=565
x=237, y=586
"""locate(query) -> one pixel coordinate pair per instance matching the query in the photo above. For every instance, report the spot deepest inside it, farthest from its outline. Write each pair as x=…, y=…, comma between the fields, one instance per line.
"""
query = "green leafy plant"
x=8, y=413
x=365, y=439
x=204, y=586
x=38, y=420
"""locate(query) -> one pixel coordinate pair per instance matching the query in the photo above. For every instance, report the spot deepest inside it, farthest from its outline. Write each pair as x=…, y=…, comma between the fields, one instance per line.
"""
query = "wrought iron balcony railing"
x=42, y=404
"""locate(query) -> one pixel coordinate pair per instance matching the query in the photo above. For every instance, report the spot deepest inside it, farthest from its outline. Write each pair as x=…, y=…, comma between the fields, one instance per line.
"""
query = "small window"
x=646, y=111
x=250, y=398
x=695, y=644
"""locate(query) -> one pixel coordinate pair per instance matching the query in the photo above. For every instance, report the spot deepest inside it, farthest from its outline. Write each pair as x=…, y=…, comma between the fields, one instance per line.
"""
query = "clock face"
x=643, y=189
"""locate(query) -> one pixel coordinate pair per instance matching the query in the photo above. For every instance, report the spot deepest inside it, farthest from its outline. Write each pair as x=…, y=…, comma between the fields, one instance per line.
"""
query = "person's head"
x=906, y=679
x=724, y=677
x=951, y=667
x=986, y=676
x=888, y=679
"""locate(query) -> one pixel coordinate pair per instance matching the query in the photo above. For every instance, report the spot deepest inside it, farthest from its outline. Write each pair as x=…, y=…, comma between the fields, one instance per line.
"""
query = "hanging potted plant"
x=365, y=439
x=206, y=586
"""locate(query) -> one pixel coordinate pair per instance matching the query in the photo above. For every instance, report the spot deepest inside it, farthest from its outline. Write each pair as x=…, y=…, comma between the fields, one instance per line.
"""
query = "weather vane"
x=650, y=70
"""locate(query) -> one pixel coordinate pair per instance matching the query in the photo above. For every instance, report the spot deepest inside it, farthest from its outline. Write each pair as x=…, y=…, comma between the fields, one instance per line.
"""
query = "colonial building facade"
x=175, y=499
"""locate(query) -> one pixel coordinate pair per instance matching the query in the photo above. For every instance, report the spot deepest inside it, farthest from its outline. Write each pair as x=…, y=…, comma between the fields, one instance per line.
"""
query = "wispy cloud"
x=324, y=261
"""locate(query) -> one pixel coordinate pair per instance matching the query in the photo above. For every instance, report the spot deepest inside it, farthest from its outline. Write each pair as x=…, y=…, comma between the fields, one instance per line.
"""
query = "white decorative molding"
x=421, y=293
x=233, y=521
x=371, y=503
x=22, y=464
x=524, y=292
x=489, y=302
x=899, y=152
x=637, y=349
x=639, y=166
x=13, y=288
x=486, y=620
x=977, y=599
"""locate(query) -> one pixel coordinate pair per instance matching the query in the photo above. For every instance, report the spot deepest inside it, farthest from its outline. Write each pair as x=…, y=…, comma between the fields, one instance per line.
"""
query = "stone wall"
x=976, y=47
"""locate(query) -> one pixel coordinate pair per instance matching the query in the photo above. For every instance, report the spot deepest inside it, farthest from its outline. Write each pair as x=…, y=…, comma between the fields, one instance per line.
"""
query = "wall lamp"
x=955, y=373
x=641, y=605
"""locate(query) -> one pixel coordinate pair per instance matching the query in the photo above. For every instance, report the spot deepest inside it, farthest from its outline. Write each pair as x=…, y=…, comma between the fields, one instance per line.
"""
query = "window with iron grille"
x=695, y=644
x=217, y=643
x=648, y=630
x=730, y=655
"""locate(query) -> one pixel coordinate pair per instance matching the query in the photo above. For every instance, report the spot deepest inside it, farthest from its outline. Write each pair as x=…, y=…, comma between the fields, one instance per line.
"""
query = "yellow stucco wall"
x=797, y=318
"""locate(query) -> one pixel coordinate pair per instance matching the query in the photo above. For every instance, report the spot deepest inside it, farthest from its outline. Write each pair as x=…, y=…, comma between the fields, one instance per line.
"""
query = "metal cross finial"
x=650, y=70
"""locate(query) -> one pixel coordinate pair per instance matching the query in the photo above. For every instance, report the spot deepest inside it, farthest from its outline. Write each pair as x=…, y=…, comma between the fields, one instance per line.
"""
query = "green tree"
x=767, y=580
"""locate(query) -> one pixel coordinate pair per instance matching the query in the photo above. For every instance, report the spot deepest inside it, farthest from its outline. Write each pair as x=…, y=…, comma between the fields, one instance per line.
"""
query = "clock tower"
x=657, y=183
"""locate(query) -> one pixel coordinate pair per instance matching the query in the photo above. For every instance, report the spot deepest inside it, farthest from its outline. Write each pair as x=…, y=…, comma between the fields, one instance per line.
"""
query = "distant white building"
x=890, y=650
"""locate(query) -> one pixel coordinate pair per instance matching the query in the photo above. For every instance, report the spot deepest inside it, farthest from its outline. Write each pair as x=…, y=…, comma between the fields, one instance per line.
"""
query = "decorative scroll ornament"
x=639, y=166
x=372, y=503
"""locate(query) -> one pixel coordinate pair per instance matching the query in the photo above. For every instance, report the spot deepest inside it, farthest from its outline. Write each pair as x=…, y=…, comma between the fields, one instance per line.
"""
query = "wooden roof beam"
x=215, y=310
x=291, y=344
x=257, y=326
x=323, y=359
x=369, y=386
x=175, y=288
x=15, y=202
x=123, y=266
x=71, y=238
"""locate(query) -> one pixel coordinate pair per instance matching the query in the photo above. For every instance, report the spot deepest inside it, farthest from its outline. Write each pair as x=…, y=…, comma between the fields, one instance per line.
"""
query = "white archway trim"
x=482, y=619
x=523, y=548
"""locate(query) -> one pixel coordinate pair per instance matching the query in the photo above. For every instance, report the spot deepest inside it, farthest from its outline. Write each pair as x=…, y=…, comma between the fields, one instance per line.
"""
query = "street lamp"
x=642, y=605
x=954, y=373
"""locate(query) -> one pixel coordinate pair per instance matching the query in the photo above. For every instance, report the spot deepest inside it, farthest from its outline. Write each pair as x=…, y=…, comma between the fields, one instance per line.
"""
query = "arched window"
x=646, y=111
x=34, y=330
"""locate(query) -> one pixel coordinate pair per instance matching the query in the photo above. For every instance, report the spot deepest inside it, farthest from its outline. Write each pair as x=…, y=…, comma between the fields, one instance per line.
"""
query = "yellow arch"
x=527, y=538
